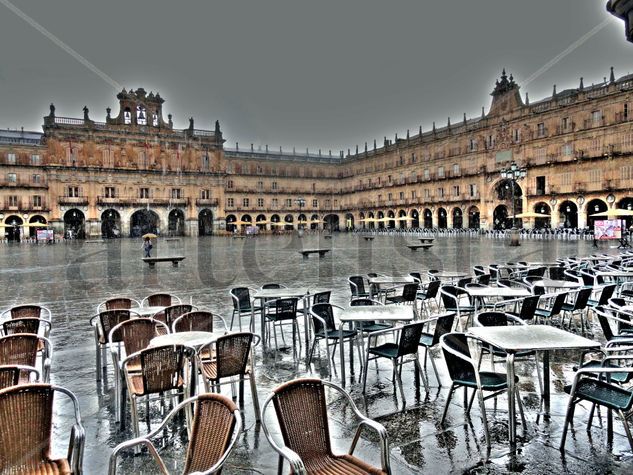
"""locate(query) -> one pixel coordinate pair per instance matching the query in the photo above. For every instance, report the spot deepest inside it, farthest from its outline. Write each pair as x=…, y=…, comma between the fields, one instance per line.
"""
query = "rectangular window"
x=110, y=192
x=625, y=112
x=440, y=192
x=260, y=202
x=389, y=196
x=176, y=193
x=540, y=130
x=11, y=158
x=596, y=117
x=427, y=174
x=491, y=141
x=260, y=185
x=427, y=193
x=245, y=202
x=12, y=178
x=595, y=175
x=565, y=123
x=143, y=192
x=37, y=201
x=315, y=203
x=567, y=150
x=455, y=190
x=540, y=185
x=13, y=201
x=456, y=169
x=275, y=203
x=402, y=195
x=473, y=189
x=273, y=185
x=37, y=179
x=205, y=194
x=229, y=184
x=73, y=191
x=472, y=145
x=440, y=172
x=516, y=135
x=413, y=194
x=230, y=202
x=35, y=159
x=565, y=178
x=327, y=204
x=288, y=202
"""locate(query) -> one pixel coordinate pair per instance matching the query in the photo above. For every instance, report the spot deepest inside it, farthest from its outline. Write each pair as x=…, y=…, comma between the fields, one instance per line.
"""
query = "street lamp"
x=513, y=173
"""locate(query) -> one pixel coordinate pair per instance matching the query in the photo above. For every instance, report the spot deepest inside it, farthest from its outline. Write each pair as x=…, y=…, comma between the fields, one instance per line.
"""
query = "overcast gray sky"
x=324, y=74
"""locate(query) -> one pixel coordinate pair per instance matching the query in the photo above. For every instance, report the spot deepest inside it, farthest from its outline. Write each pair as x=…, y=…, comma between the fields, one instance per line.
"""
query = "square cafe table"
x=301, y=293
x=500, y=292
x=388, y=313
x=376, y=282
x=541, y=338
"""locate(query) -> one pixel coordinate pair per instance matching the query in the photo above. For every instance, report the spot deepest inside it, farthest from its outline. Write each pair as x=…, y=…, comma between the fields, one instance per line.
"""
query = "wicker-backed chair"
x=231, y=362
x=243, y=306
x=198, y=321
x=13, y=375
x=162, y=370
x=26, y=431
x=27, y=311
x=161, y=299
x=302, y=414
x=23, y=349
x=102, y=324
x=171, y=313
x=464, y=372
x=321, y=297
x=215, y=428
x=131, y=336
x=118, y=303
x=38, y=326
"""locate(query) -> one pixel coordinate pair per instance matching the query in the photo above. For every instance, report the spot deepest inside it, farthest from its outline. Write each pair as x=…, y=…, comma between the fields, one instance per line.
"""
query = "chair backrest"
x=214, y=421
x=357, y=285
x=371, y=275
x=23, y=325
x=325, y=312
x=443, y=325
x=26, y=311
x=484, y=279
x=559, y=301
x=161, y=300
x=286, y=308
x=241, y=298
x=454, y=348
x=606, y=294
x=302, y=404
x=135, y=334
x=416, y=275
x=448, y=293
x=162, y=367
x=479, y=270
x=603, y=318
x=432, y=288
x=271, y=286
x=536, y=272
x=19, y=348
x=528, y=307
x=617, y=302
x=363, y=301
x=462, y=282
x=172, y=312
x=109, y=319
x=118, y=303
x=198, y=320
x=409, y=339
x=492, y=319
x=410, y=292
x=321, y=297
x=556, y=273
x=582, y=298
x=232, y=353
x=26, y=416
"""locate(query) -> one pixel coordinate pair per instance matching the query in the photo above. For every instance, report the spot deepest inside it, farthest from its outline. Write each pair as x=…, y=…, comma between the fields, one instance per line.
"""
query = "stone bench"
x=173, y=259
x=320, y=252
x=415, y=247
x=368, y=238
x=426, y=240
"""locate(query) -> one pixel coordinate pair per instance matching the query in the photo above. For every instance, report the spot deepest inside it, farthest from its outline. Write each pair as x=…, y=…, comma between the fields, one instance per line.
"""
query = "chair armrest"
x=132, y=443
x=76, y=448
x=384, y=441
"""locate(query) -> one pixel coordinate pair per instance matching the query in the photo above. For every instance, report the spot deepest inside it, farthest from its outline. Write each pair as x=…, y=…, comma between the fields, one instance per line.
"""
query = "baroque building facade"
x=136, y=173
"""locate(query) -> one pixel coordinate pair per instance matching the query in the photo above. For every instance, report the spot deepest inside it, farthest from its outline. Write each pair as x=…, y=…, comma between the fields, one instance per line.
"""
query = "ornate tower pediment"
x=139, y=108
x=505, y=96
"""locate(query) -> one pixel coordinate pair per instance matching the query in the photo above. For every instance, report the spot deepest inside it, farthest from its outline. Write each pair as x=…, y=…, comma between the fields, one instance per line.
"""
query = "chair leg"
x=448, y=401
x=399, y=382
x=482, y=406
x=232, y=318
x=280, y=466
x=418, y=366
x=314, y=342
x=627, y=429
x=437, y=375
x=254, y=396
x=568, y=417
x=366, y=364
x=521, y=413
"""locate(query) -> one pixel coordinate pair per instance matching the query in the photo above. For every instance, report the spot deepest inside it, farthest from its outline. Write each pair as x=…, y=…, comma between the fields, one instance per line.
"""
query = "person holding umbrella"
x=147, y=244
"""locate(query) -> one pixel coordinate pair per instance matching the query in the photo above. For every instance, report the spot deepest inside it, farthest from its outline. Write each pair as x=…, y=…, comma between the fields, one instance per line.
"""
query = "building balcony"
x=24, y=183
x=73, y=200
x=207, y=202
x=136, y=201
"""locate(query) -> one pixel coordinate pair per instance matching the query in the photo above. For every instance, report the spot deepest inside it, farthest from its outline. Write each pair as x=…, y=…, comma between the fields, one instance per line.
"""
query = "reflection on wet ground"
x=72, y=278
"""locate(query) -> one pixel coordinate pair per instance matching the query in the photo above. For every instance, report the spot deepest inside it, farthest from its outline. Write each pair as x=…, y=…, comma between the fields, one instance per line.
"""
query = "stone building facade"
x=136, y=173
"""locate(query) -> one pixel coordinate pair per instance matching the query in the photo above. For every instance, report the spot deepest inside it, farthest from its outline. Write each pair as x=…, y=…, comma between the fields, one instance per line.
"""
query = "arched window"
x=155, y=120
x=127, y=116
x=141, y=115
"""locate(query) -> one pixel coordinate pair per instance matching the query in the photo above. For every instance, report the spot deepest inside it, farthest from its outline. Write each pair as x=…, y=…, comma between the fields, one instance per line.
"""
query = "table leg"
x=511, y=400
x=262, y=322
x=342, y=351
x=351, y=356
x=306, y=324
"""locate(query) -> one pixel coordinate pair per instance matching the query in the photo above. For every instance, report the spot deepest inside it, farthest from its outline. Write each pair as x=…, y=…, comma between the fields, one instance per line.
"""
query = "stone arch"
x=428, y=218
x=260, y=222
x=381, y=222
x=231, y=219
x=349, y=221
x=474, y=217
x=289, y=220
x=176, y=222
x=391, y=224
x=75, y=224
x=626, y=203
x=331, y=222
x=568, y=212
x=595, y=206
x=110, y=224
x=36, y=219
x=458, y=218
x=314, y=221
x=543, y=208
x=442, y=218
x=415, y=218
x=500, y=218
x=205, y=222
x=13, y=229
x=144, y=221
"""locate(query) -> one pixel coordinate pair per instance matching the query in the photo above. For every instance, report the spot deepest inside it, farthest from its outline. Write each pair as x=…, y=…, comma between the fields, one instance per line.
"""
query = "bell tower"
x=505, y=96
x=137, y=108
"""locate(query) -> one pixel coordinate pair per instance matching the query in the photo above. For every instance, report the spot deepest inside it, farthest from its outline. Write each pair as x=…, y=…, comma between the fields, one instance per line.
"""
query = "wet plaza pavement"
x=72, y=278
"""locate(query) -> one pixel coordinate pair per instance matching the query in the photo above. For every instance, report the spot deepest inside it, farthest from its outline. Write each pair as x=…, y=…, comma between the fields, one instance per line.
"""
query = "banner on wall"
x=607, y=229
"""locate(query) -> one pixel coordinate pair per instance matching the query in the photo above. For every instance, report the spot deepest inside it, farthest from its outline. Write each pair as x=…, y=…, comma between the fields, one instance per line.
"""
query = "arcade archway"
x=110, y=224
x=176, y=222
x=568, y=214
x=205, y=222
x=144, y=221
x=74, y=224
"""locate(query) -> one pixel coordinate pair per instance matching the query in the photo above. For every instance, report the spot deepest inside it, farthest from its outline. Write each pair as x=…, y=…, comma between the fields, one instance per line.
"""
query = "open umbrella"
x=404, y=218
x=150, y=236
x=530, y=214
x=34, y=225
x=278, y=223
x=316, y=221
